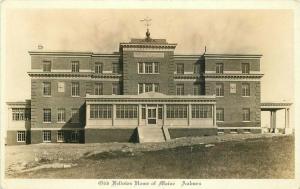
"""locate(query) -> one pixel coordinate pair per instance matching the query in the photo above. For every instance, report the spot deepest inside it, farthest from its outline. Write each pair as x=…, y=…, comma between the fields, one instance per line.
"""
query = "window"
x=98, y=68
x=160, y=113
x=148, y=67
x=179, y=68
x=115, y=88
x=143, y=112
x=98, y=89
x=201, y=111
x=46, y=88
x=245, y=68
x=176, y=111
x=21, y=136
x=47, y=115
x=141, y=67
x=61, y=115
x=75, y=115
x=197, y=89
x=46, y=66
x=18, y=114
x=100, y=111
x=179, y=89
x=60, y=136
x=156, y=67
x=126, y=111
x=75, y=89
x=116, y=68
x=220, y=114
x=75, y=66
x=246, y=114
x=46, y=136
x=219, y=68
x=61, y=87
x=197, y=69
x=148, y=87
x=219, y=89
x=245, y=89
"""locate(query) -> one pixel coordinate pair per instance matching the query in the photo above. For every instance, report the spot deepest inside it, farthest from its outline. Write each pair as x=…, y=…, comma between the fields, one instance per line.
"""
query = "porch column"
x=273, y=121
x=287, y=129
x=214, y=111
x=87, y=114
x=164, y=114
x=189, y=114
x=139, y=114
x=113, y=114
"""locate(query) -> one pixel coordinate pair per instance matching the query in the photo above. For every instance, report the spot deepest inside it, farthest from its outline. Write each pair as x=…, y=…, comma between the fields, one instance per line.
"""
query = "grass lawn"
x=251, y=158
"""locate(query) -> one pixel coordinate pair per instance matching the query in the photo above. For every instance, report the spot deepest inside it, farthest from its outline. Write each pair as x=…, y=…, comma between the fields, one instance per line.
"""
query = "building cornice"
x=232, y=56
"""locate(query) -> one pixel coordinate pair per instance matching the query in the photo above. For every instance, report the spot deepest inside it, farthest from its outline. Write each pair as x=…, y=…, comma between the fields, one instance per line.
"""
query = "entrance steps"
x=152, y=134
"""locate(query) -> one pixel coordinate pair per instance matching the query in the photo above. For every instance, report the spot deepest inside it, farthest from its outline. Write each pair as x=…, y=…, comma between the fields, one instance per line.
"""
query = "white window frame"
x=220, y=114
x=75, y=89
x=201, y=111
x=47, y=89
x=154, y=87
x=61, y=115
x=75, y=115
x=21, y=136
x=246, y=90
x=153, y=67
x=219, y=90
x=245, y=70
x=47, y=66
x=98, y=67
x=46, y=136
x=219, y=68
x=181, y=87
x=178, y=69
x=98, y=90
x=18, y=114
x=75, y=66
x=126, y=111
x=176, y=111
x=45, y=117
x=100, y=111
x=246, y=117
x=60, y=136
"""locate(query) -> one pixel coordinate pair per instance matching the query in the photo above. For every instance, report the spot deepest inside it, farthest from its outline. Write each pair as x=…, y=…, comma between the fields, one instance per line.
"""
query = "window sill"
x=220, y=121
x=246, y=96
x=246, y=121
x=219, y=96
x=21, y=141
x=46, y=141
x=75, y=96
x=47, y=96
x=61, y=122
x=47, y=122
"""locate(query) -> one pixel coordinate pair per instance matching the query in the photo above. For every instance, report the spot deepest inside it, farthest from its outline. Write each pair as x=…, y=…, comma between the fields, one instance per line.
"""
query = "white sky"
x=267, y=32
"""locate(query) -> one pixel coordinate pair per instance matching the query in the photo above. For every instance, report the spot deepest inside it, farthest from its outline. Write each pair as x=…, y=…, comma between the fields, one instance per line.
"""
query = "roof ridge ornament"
x=147, y=21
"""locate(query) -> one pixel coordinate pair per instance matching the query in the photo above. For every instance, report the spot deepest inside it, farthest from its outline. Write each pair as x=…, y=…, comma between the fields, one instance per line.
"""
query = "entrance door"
x=152, y=115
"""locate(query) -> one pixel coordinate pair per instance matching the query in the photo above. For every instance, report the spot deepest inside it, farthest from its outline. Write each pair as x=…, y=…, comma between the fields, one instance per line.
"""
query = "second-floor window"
x=219, y=89
x=74, y=115
x=98, y=89
x=219, y=68
x=61, y=115
x=245, y=89
x=75, y=66
x=47, y=115
x=179, y=68
x=179, y=89
x=75, y=89
x=20, y=114
x=46, y=66
x=148, y=87
x=98, y=67
x=46, y=88
x=245, y=68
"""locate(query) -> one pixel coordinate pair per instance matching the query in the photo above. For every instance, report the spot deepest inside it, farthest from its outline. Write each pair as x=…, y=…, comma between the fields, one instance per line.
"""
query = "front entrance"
x=152, y=115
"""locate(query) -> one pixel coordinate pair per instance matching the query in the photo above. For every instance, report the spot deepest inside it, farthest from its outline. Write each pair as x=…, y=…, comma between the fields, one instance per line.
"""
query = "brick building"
x=142, y=93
